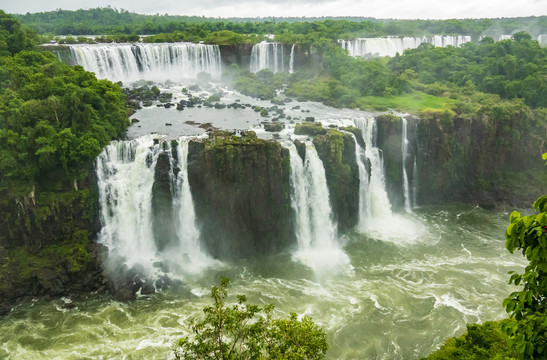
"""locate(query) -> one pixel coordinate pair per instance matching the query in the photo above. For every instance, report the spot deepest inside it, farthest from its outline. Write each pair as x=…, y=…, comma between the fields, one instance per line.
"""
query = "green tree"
x=245, y=331
x=528, y=306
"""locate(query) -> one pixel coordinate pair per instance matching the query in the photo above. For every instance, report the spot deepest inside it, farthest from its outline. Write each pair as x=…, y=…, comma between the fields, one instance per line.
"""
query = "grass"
x=414, y=102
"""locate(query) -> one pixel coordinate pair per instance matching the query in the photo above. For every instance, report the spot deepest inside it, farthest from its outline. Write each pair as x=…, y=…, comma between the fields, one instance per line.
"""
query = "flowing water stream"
x=402, y=299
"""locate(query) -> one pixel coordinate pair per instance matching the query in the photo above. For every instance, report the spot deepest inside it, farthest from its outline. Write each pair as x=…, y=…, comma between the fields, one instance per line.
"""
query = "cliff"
x=492, y=159
x=337, y=152
x=241, y=192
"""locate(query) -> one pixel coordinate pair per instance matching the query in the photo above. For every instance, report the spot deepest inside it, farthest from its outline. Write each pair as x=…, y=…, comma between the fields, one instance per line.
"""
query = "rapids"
x=407, y=292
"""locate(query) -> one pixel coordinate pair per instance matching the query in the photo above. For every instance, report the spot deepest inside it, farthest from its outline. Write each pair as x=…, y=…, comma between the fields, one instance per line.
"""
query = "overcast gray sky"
x=414, y=9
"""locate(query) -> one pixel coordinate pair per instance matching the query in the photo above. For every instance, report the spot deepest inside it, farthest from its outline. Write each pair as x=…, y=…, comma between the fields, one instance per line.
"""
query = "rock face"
x=389, y=141
x=45, y=243
x=493, y=161
x=162, y=203
x=236, y=54
x=337, y=152
x=241, y=193
x=59, y=276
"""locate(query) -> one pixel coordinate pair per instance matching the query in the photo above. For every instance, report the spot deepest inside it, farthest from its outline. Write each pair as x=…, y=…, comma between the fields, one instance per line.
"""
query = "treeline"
x=109, y=21
x=510, y=68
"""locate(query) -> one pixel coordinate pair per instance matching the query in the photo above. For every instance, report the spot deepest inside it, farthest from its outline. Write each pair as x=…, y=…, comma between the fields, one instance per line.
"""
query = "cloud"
x=422, y=9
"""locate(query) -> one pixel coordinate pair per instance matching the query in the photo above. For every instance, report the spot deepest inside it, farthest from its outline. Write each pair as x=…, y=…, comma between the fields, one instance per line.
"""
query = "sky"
x=415, y=9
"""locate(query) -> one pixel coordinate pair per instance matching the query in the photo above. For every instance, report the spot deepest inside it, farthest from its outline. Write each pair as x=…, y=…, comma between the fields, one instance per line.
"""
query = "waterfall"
x=406, y=187
x=364, y=184
x=315, y=229
x=189, y=248
x=125, y=173
x=157, y=62
x=267, y=55
x=414, y=183
x=377, y=204
x=390, y=46
x=291, y=60
x=375, y=215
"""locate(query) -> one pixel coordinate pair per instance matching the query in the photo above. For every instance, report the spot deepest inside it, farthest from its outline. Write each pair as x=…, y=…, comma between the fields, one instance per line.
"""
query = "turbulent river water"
x=408, y=279
x=404, y=293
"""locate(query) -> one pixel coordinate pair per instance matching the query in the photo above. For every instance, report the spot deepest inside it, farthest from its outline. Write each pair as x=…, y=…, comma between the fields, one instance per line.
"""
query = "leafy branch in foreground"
x=245, y=331
x=528, y=306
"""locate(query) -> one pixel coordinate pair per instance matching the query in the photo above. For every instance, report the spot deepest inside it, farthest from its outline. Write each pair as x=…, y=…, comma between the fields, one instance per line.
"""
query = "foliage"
x=13, y=36
x=481, y=342
x=262, y=85
x=109, y=20
x=54, y=119
x=528, y=306
x=245, y=331
x=71, y=256
x=509, y=68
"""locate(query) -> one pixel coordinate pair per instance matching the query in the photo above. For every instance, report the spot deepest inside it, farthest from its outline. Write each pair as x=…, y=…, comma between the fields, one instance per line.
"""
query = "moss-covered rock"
x=273, y=126
x=47, y=233
x=337, y=151
x=241, y=192
x=311, y=129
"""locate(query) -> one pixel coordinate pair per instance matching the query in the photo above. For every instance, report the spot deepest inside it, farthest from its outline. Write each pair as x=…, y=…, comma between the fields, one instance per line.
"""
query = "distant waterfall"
x=157, y=62
x=125, y=172
x=291, y=60
x=406, y=186
x=390, y=46
x=267, y=55
x=315, y=229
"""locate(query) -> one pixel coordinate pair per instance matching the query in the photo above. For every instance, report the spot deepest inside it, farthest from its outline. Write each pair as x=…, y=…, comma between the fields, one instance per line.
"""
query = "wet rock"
x=148, y=288
x=68, y=305
x=5, y=307
x=300, y=148
x=124, y=293
x=274, y=126
x=48, y=282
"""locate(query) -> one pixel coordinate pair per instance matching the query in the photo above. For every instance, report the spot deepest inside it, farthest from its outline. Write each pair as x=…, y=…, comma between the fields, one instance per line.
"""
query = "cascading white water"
x=125, y=172
x=364, y=183
x=376, y=216
x=315, y=229
x=414, y=183
x=189, y=250
x=406, y=186
x=158, y=62
x=377, y=203
x=291, y=60
x=390, y=46
x=267, y=55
